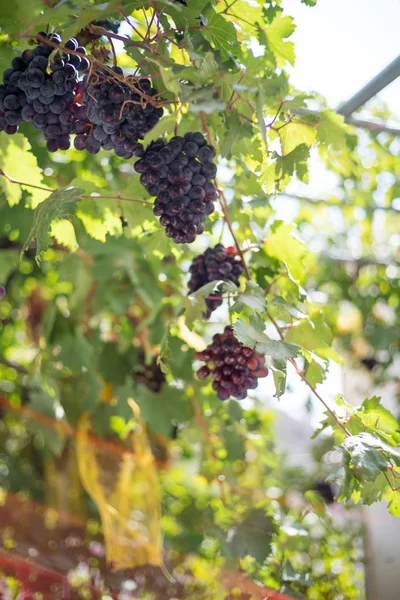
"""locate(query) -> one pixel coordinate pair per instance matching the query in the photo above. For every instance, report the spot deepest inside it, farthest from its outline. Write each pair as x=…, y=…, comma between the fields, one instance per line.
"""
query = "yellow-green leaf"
x=295, y=134
x=14, y=151
x=281, y=28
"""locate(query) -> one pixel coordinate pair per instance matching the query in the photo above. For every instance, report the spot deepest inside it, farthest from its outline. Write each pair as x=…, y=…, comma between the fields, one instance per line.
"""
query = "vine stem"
x=223, y=201
x=80, y=196
x=304, y=378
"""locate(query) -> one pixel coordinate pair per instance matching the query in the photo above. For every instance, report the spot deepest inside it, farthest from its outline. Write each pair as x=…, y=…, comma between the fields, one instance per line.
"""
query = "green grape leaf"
x=278, y=369
x=393, y=499
x=252, y=335
x=220, y=32
x=11, y=150
x=281, y=28
x=283, y=246
x=295, y=134
x=315, y=336
x=253, y=536
x=332, y=129
x=253, y=297
x=59, y=205
x=365, y=458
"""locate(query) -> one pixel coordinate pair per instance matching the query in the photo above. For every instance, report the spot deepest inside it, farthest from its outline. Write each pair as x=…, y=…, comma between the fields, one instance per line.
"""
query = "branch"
x=80, y=197
x=36, y=187
x=304, y=378
x=13, y=365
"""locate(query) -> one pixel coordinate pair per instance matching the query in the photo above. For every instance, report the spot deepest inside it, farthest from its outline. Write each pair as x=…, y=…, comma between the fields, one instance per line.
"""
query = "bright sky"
x=342, y=44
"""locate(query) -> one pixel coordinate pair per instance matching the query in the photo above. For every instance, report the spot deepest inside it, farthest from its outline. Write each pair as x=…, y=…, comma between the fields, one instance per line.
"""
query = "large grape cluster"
x=114, y=115
x=179, y=173
x=41, y=90
x=218, y=263
x=235, y=368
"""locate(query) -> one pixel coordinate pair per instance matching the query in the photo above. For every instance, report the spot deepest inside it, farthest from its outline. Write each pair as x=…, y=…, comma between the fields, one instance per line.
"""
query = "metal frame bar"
x=378, y=83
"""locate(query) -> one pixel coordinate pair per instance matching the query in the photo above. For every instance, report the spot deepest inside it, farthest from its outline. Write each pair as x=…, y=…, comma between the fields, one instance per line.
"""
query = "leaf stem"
x=21, y=183
x=117, y=197
x=81, y=196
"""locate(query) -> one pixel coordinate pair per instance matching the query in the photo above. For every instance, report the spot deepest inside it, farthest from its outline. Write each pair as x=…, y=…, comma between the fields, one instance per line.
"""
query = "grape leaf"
x=294, y=134
x=332, y=129
x=281, y=28
x=283, y=246
x=11, y=150
x=278, y=369
x=220, y=32
x=253, y=297
x=253, y=535
x=252, y=336
x=59, y=205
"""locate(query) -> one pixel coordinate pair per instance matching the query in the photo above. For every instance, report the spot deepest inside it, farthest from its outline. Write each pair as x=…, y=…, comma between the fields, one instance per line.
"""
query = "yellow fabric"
x=126, y=489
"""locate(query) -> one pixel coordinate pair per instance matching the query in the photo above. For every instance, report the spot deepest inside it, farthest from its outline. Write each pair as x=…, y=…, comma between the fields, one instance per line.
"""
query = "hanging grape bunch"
x=218, y=263
x=179, y=174
x=42, y=90
x=149, y=375
x=115, y=115
x=235, y=368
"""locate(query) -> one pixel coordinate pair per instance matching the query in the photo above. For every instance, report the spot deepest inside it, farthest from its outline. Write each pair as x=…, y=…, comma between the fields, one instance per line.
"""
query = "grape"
x=92, y=145
x=64, y=142
x=11, y=102
x=235, y=368
x=80, y=142
x=36, y=77
x=184, y=193
x=13, y=117
x=117, y=109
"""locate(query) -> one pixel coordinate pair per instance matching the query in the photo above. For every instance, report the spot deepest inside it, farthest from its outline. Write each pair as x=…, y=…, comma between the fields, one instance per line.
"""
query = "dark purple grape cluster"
x=41, y=90
x=149, y=375
x=235, y=368
x=180, y=174
x=218, y=263
x=114, y=115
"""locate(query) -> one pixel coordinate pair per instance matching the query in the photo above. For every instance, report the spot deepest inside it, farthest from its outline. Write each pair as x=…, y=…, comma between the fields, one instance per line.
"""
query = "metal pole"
x=389, y=74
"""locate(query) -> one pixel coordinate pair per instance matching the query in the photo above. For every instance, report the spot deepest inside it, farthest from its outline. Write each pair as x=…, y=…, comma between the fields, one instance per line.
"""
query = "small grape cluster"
x=114, y=115
x=235, y=368
x=179, y=174
x=41, y=90
x=149, y=375
x=218, y=263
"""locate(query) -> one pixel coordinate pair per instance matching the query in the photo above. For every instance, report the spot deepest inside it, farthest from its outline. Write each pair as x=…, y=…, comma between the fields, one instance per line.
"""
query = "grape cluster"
x=218, y=263
x=149, y=375
x=234, y=367
x=179, y=174
x=114, y=115
x=43, y=91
